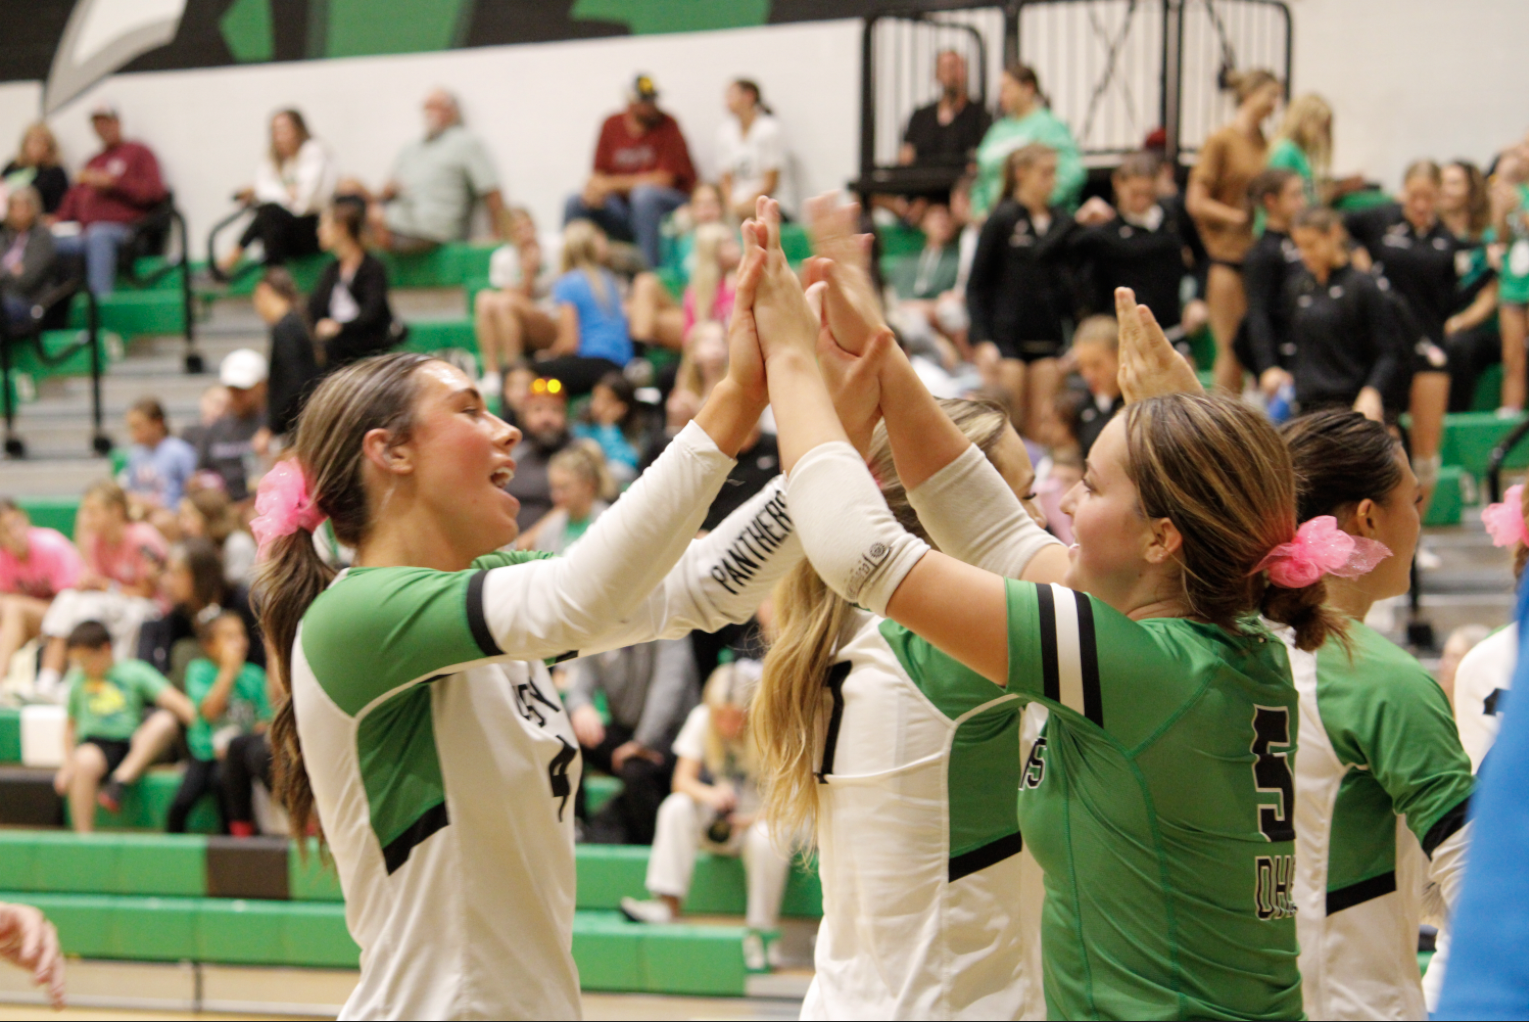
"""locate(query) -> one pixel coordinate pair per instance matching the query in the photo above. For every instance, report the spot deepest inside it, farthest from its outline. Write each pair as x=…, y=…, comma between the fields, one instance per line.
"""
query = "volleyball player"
x=1160, y=803
x=422, y=728
x=1382, y=784
x=1263, y=340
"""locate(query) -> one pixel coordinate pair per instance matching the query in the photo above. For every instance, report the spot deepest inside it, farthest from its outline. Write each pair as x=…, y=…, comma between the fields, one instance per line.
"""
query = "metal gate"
x=1113, y=70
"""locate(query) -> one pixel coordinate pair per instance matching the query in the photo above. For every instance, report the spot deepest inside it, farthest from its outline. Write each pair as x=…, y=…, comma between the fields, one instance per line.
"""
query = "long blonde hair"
x=810, y=620
x=730, y=685
x=706, y=280
x=1308, y=122
x=581, y=251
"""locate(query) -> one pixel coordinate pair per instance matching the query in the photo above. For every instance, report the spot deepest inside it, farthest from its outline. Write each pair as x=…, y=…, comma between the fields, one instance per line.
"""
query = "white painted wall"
x=1407, y=78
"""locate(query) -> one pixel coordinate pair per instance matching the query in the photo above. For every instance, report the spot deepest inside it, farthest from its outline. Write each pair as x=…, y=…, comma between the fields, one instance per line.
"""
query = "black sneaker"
x=110, y=796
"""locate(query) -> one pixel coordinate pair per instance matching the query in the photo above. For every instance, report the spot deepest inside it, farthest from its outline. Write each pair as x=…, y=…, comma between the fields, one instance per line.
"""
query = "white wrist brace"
x=973, y=515
x=847, y=532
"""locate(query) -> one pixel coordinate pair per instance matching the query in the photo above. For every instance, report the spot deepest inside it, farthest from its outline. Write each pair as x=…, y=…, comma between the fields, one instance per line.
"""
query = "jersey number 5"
x=1271, y=771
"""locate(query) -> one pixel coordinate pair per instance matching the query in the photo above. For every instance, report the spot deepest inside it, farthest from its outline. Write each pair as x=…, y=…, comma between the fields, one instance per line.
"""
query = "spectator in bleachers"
x=210, y=407
x=107, y=738
x=544, y=425
x=1096, y=352
x=1471, y=335
x=1264, y=344
x=1218, y=200
x=1027, y=120
x=115, y=189
x=230, y=700
x=205, y=512
x=719, y=814
x=1348, y=351
x=711, y=264
x=349, y=305
x=642, y=172
x=751, y=150
x=592, y=337
x=705, y=207
x=1139, y=243
x=159, y=464
x=1018, y=292
x=37, y=164
x=297, y=360
x=610, y=420
x=228, y=446
x=293, y=181
x=196, y=587
x=435, y=185
x=1304, y=144
x=515, y=314
x=930, y=316
x=649, y=690
x=580, y=486
x=119, y=587
x=28, y=260
x=948, y=130
x=1510, y=226
x=36, y=564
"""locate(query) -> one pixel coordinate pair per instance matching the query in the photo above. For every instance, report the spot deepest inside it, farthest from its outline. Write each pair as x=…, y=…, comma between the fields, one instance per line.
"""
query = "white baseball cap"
x=243, y=369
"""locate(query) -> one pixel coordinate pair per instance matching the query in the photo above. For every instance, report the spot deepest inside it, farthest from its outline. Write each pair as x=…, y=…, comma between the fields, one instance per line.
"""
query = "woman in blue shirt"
x=592, y=337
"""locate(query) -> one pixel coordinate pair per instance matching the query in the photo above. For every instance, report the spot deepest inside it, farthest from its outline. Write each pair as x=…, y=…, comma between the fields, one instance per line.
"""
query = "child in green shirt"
x=107, y=736
x=231, y=702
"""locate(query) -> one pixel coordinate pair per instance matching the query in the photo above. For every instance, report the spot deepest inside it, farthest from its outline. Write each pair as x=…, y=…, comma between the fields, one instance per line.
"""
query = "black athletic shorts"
x=1028, y=351
x=115, y=751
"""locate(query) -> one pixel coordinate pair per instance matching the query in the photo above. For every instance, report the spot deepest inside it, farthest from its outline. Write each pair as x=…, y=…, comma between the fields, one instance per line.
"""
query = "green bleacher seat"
x=135, y=313
x=608, y=873
x=63, y=862
x=1470, y=436
x=900, y=239
x=63, y=353
x=146, y=806
x=51, y=512
x=10, y=735
x=1488, y=393
x=1448, y=504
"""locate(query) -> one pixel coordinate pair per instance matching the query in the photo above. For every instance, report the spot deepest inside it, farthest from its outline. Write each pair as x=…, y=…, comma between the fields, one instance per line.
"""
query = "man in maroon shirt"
x=642, y=172
x=114, y=190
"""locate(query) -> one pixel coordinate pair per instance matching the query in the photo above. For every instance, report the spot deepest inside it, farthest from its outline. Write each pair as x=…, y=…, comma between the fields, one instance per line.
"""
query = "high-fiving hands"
x=1149, y=365
x=29, y=941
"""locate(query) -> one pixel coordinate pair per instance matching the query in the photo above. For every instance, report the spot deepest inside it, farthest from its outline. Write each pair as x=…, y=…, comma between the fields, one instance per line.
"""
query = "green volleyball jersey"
x=1159, y=801
x=1383, y=785
x=1513, y=278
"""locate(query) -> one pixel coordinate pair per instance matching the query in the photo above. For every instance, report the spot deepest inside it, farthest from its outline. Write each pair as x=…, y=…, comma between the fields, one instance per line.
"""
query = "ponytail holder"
x=1321, y=548
x=1505, y=521
x=282, y=506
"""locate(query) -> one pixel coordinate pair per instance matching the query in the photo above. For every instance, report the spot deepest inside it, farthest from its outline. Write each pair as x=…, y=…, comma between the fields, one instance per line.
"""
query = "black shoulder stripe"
x=1088, y=655
x=401, y=847
x=989, y=854
x=1363, y=891
x=475, y=618
x=835, y=684
x=1052, y=686
x=1450, y=822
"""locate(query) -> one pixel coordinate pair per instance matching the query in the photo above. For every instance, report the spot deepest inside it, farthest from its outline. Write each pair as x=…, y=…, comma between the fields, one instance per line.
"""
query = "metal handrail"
x=1500, y=455
x=15, y=447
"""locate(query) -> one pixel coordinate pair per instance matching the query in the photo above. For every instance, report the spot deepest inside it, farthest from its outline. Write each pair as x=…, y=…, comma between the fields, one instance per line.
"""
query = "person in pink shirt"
x=35, y=566
x=119, y=586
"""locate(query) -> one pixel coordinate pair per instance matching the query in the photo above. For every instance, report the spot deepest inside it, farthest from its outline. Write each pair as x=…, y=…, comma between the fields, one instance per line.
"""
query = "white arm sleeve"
x=546, y=608
x=973, y=515
x=847, y=532
x=722, y=578
x=1447, y=866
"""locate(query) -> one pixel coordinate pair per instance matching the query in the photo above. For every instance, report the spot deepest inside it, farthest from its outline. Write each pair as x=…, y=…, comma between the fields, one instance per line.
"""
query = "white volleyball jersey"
x=1382, y=788
x=918, y=838
x=442, y=761
x=1481, y=685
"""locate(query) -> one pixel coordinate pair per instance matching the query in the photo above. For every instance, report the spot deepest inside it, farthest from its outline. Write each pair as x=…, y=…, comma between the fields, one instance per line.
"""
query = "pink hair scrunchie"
x=1505, y=520
x=283, y=506
x=1321, y=548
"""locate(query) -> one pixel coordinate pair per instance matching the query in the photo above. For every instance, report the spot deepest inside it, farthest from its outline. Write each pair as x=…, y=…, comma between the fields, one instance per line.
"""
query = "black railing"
x=1500, y=455
x=61, y=295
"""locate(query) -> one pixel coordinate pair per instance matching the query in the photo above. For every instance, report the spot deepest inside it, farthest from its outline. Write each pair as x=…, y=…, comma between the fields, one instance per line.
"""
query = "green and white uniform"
x=1158, y=802
x=1513, y=278
x=441, y=760
x=1382, y=787
x=919, y=848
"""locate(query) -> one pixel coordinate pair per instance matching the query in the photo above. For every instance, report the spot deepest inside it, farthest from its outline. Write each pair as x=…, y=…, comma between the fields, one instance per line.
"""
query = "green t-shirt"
x=1513, y=278
x=927, y=274
x=1286, y=155
x=1159, y=801
x=112, y=708
x=248, y=704
x=1011, y=133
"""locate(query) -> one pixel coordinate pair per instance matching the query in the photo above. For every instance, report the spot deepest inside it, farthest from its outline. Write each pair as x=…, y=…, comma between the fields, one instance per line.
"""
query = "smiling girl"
x=422, y=726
